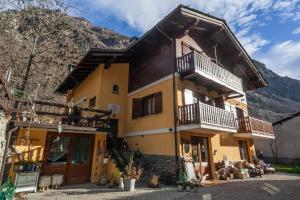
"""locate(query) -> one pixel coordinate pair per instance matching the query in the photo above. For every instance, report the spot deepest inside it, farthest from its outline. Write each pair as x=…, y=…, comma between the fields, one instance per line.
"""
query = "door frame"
x=247, y=149
x=209, y=158
x=70, y=148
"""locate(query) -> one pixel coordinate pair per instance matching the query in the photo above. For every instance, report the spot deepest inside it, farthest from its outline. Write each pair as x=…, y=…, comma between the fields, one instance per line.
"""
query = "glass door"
x=69, y=154
x=200, y=153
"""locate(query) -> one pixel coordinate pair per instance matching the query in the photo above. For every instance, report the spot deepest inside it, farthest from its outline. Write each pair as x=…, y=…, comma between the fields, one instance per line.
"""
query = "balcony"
x=205, y=118
x=196, y=67
x=251, y=127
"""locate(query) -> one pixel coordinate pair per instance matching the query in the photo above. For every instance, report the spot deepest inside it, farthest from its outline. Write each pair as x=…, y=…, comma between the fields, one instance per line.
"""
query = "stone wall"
x=163, y=166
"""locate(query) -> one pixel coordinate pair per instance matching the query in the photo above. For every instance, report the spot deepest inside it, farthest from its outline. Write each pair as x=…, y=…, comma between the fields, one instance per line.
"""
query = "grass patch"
x=293, y=169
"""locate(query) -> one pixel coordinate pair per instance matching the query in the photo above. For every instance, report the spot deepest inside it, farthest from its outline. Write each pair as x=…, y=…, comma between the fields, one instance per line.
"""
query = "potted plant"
x=181, y=182
x=131, y=174
x=188, y=186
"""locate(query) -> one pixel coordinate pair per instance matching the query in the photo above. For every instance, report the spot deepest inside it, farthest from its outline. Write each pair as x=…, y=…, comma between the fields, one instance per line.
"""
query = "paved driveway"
x=275, y=187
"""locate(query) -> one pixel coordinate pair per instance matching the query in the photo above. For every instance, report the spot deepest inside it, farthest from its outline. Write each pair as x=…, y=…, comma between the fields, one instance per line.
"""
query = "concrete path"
x=275, y=187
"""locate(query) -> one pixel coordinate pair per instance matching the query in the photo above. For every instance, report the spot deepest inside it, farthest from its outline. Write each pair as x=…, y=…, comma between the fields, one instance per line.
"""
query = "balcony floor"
x=255, y=135
x=205, y=128
x=201, y=79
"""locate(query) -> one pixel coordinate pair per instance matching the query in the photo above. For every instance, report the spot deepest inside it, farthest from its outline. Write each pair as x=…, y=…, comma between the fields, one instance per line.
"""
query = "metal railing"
x=196, y=62
x=200, y=113
x=250, y=124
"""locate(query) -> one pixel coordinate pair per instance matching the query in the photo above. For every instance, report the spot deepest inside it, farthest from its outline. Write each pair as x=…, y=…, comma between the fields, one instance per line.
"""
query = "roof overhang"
x=89, y=63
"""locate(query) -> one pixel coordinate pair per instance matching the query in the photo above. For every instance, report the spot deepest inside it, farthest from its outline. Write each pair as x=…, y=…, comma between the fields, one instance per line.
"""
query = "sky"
x=269, y=30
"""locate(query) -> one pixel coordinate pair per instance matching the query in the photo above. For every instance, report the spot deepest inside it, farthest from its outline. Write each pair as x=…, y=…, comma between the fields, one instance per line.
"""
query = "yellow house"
x=176, y=92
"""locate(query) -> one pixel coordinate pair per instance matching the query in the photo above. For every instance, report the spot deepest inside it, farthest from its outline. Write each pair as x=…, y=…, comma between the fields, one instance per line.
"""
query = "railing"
x=45, y=112
x=194, y=61
x=200, y=113
x=250, y=124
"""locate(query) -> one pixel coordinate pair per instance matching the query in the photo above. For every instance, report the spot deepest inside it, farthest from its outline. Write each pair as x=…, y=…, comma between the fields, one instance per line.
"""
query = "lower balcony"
x=254, y=128
x=204, y=118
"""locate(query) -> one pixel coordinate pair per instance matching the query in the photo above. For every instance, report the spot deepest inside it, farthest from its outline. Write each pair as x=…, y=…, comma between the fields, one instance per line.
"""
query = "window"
x=92, y=102
x=81, y=150
x=115, y=89
x=148, y=105
x=58, y=153
x=243, y=150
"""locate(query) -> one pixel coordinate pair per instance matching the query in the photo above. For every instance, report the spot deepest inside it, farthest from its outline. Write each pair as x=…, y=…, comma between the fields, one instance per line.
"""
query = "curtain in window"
x=81, y=150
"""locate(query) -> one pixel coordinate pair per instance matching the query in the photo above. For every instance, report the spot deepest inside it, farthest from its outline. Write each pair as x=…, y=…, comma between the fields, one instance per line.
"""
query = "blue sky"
x=269, y=30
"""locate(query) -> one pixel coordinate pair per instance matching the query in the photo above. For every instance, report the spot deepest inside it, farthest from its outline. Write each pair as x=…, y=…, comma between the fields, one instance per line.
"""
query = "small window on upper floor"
x=115, y=89
x=92, y=102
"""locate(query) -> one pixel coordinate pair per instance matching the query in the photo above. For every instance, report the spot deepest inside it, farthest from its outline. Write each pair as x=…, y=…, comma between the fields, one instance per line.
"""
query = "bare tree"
x=31, y=33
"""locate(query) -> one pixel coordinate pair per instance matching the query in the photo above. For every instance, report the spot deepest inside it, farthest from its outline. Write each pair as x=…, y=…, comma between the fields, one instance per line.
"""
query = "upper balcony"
x=196, y=67
x=205, y=118
x=251, y=127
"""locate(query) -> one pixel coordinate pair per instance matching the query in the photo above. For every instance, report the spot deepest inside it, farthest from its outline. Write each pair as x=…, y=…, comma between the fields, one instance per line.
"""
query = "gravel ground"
x=275, y=187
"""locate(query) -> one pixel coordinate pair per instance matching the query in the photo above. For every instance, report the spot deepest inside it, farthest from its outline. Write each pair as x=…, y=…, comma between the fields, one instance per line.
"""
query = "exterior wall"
x=287, y=141
x=156, y=144
x=98, y=154
x=151, y=64
x=225, y=145
x=36, y=152
x=100, y=84
x=162, y=120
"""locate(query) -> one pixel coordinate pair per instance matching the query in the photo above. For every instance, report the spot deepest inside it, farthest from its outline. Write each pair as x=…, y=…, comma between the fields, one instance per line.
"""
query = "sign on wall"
x=114, y=108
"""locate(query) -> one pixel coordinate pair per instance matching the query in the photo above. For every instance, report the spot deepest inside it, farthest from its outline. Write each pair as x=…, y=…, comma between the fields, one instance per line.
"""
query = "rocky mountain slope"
x=280, y=99
x=62, y=40
x=77, y=35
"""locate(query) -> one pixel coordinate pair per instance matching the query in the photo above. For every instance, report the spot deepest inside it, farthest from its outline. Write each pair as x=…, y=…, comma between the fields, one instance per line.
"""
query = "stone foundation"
x=163, y=166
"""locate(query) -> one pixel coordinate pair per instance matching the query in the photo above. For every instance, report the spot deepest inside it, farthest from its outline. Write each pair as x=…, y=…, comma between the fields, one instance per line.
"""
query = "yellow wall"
x=156, y=144
x=225, y=144
x=100, y=84
x=156, y=121
x=36, y=150
x=98, y=154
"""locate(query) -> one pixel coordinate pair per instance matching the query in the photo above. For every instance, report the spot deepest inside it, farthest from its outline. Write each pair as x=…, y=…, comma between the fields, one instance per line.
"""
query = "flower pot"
x=126, y=184
x=179, y=188
x=188, y=188
x=132, y=185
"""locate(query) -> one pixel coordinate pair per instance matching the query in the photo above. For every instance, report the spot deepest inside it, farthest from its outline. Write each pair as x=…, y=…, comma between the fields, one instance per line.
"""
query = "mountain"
x=49, y=41
x=71, y=39
x=279, y=99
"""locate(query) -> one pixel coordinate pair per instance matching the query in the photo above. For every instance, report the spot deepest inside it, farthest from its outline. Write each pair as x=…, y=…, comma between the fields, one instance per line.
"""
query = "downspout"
x=5, y=152
x=176, y=136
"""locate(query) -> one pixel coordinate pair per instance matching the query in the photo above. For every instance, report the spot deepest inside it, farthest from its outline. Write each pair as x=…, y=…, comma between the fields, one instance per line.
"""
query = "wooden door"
x=200, y=153
x=70, y=155
x=80, y=162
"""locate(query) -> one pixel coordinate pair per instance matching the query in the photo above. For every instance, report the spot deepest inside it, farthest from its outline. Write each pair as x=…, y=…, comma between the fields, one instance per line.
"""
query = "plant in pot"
x=131, y=174
x=188, y=186
x=181, y=182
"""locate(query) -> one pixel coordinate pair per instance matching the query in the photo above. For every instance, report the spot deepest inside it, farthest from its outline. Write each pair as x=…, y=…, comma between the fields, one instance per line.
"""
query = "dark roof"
x=286, y=119
x=174, y=22
x=88, y=64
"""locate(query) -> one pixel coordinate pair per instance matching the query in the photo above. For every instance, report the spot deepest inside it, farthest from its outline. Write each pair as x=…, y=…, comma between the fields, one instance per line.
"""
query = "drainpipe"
x=5, y=152
x=176, y=135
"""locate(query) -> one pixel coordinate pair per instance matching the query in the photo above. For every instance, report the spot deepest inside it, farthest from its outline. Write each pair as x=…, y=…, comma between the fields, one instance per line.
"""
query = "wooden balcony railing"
x=45, y=112
x=204, y=114
x=195, y=62
x=252, y=125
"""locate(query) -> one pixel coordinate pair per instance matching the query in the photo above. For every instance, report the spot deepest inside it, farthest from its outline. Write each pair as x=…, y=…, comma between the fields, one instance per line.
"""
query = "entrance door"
x=244, y=150
x=200, y=153
x=70, y=155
